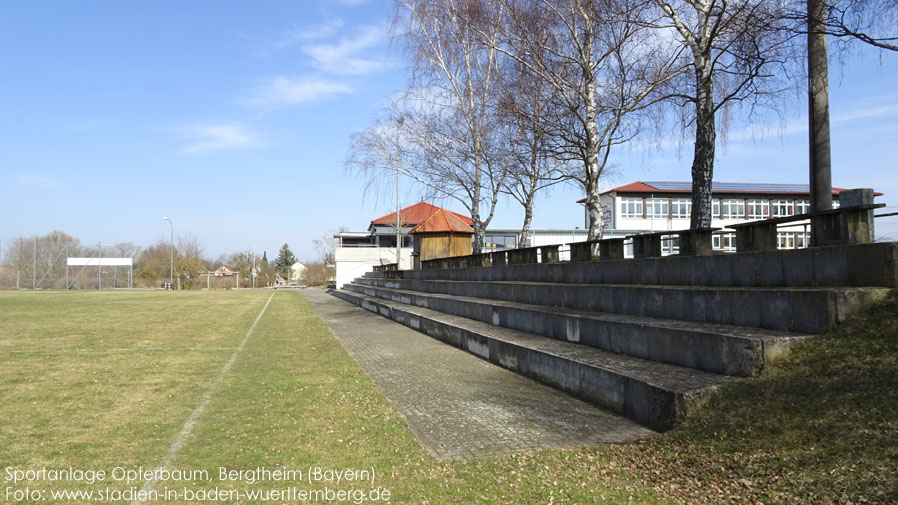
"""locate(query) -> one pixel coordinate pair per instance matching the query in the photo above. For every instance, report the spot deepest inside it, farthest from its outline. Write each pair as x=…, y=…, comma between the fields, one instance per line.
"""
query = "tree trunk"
x=477, y=239
x=593, y=170
x=818, y=109
x=477, y=242
x=594, y=211
x=528, y=217
x=705, y=138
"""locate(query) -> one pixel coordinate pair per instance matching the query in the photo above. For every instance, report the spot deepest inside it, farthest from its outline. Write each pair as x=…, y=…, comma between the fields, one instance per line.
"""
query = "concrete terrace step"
x=855, y=265
x=725, y=349
x=804, y=310
x=654, y=394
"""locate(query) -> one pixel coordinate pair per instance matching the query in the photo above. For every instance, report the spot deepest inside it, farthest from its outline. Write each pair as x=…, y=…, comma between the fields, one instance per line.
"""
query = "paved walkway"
x=458, y=405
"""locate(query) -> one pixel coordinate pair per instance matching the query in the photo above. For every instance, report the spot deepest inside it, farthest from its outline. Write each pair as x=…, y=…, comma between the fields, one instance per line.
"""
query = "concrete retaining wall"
x=856, y=265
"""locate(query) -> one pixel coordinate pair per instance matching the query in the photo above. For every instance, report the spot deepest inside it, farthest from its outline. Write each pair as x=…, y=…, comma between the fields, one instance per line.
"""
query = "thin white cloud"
x=878, y=110
x=216, y=136
x=281, y=91
x=298, y=35
x=342, y=58
x=34, y=180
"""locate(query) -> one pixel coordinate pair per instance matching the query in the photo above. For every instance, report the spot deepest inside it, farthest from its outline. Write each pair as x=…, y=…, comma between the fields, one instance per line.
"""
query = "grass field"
x=200, y=381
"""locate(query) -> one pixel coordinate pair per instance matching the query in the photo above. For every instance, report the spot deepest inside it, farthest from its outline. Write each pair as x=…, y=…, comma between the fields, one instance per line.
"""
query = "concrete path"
x=458, y=405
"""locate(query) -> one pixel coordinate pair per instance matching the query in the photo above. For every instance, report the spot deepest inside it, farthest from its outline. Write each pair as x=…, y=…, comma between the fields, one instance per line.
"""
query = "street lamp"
x=171, y=249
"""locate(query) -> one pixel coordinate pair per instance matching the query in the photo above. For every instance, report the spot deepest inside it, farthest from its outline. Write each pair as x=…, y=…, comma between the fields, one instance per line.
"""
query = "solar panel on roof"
x=670, y=185
x=736, y=187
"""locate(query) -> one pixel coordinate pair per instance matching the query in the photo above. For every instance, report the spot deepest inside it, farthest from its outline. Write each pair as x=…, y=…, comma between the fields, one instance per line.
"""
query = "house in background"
x=297, y=270
x=442, y=235
x=654, y=206
x=225, y=271
x=357, y=252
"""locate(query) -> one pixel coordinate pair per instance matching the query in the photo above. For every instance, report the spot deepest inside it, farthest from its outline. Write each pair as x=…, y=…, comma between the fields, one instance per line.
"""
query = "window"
x=733, y=208
x=631, y=207
x=785, y=240
x=792, y=239
x=835, y=204
x=782, y=208
x=670, y=245
x=657, y=208
x=681, y=208
x=715, y=208
x=802, y=206
x=758, y=209
x=724, y=242
x=498, y=242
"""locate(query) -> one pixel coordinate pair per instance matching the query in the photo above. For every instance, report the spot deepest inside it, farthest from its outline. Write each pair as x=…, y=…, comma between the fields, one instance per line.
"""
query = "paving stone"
x=457, y=405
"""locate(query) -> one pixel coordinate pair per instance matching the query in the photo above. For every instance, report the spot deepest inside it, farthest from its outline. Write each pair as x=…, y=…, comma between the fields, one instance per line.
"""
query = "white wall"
x=354, y=262
x=552, y=237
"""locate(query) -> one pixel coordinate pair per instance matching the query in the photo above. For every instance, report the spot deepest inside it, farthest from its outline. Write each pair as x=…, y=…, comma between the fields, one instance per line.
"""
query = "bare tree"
x=327, y=245
x=153, y=262
x=19, y=256
x=733, y=47
x=189, y=260
x=873, y=22
x=525, y=104
x=448, y=117
x=597, y=61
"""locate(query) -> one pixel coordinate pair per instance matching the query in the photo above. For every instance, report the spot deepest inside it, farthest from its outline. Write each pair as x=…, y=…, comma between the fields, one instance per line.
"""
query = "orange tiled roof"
x=417, y=213
x=443, y=220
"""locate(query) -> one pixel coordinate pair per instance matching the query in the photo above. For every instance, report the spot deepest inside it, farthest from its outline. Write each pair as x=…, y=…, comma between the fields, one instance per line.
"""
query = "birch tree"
x=599, y=64
x=733, y=48
x=525, y=105
x=450, y=116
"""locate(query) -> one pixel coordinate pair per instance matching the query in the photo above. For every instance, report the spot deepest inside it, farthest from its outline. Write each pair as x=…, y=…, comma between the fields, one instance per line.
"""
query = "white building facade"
x=654, y=206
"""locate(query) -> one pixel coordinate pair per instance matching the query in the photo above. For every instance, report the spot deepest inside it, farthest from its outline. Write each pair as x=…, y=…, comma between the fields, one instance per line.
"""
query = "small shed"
x=442, y=235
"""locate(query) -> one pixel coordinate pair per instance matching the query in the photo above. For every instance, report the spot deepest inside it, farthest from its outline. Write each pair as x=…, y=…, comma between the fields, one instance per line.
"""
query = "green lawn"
x=102, y=380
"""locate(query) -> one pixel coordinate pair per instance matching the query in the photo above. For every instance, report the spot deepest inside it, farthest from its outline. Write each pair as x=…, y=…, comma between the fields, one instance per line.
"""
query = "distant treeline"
x=40, y=261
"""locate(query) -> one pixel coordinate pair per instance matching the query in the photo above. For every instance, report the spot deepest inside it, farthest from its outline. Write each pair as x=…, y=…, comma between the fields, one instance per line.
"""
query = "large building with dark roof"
x=652, y=206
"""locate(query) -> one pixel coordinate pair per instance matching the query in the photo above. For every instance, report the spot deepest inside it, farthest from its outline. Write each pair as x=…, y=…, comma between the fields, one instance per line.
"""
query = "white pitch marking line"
x=122, y=349
x=188, y=425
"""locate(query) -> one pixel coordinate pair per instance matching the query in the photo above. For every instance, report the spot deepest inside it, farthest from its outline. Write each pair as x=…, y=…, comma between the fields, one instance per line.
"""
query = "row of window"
x=727, y=242
x=785, y=240
x=727, y=208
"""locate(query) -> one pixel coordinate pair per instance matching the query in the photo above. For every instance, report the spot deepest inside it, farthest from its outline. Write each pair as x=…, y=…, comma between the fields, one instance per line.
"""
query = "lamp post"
x=399, y=123
x=171, y=250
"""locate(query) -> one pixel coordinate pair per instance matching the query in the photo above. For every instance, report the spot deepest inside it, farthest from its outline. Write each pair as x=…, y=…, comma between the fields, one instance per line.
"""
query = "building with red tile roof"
x=443, y=220
x=652, y=206
x=358, y=252
x=417, y=213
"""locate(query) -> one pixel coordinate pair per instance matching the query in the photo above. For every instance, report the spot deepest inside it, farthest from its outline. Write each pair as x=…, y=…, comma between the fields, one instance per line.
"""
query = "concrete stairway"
x=648, y=338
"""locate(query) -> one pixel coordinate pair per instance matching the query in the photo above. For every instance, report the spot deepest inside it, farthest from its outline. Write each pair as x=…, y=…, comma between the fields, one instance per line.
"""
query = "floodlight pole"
x=171, y=250
x=399, y=124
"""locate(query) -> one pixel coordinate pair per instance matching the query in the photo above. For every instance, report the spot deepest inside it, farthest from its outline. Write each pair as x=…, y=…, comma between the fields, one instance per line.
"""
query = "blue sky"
x=233, y=119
